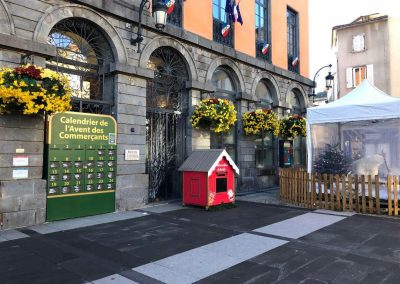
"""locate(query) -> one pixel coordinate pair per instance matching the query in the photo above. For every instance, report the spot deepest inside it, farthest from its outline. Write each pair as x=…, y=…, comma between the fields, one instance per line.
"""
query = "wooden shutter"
x=349, y=77
x=370, y=73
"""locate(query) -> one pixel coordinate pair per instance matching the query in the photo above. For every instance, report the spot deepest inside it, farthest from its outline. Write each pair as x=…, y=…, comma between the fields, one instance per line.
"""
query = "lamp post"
x=159, y=10
x=328, y=79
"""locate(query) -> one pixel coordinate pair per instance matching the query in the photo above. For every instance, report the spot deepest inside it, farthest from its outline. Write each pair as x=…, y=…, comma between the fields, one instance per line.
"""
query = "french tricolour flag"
x=237, y=17
x=295, y=62
x=225, y=30
x=170, y=5
x=265, y=48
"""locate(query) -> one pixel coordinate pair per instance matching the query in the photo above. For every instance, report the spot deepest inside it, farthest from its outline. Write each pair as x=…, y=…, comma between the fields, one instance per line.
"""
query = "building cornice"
x=27, y=46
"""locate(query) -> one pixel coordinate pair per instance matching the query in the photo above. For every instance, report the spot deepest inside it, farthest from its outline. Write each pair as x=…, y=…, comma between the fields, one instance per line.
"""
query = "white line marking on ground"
x=198, y=263
x=300, y=226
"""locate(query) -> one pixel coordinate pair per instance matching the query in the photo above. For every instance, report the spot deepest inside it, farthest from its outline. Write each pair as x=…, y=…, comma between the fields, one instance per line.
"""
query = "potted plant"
x=292, y=126
x=217, y=115
x=31, y=90
x=260, y=121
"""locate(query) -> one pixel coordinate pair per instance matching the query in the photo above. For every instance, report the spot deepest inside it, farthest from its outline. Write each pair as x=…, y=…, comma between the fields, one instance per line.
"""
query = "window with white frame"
x=355, y=75
x=359, y=43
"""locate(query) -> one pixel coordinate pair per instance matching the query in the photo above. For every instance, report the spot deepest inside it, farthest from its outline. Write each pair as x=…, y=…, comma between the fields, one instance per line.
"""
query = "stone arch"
x=299, y=91
x=270, y=81
x=231, y=64
x=164, y=41
x=55, y=14
x=6, y=21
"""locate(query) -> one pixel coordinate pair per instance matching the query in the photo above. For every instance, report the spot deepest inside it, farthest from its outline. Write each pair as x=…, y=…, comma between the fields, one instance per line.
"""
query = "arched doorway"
x=83, y=53
x=167, y=110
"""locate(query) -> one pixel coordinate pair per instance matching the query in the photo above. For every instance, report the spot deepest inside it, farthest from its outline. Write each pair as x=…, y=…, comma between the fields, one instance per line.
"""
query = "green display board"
x=81, y=165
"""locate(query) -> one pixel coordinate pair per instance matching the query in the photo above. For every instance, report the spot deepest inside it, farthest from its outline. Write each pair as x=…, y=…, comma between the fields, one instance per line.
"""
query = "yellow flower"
x=35, y=97
x=217, y=115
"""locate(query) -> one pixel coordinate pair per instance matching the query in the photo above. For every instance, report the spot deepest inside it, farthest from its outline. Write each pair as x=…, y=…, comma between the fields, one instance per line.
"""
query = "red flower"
x=30, y=71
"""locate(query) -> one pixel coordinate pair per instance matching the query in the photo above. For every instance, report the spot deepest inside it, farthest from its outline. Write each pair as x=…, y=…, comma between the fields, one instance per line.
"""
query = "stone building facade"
x=151, y=94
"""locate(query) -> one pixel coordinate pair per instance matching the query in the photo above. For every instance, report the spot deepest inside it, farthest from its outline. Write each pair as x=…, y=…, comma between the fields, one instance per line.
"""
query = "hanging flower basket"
x=216, y=115
x=260, y=120
x=32, y=90
x=292, y=126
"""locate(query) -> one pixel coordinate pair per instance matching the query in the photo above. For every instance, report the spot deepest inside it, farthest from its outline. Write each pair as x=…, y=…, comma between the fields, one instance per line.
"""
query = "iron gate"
x=165, y=152
x=166, y=123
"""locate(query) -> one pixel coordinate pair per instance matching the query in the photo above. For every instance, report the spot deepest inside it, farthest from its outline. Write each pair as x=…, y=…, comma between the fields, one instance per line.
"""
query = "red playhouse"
x=208, y=178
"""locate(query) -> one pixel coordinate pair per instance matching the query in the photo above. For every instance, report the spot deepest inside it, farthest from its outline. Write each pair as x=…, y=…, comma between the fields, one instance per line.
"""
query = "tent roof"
x=366, y=102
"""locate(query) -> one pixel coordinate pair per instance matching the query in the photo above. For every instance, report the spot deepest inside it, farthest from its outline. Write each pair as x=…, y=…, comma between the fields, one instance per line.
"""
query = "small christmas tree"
x=332, y=161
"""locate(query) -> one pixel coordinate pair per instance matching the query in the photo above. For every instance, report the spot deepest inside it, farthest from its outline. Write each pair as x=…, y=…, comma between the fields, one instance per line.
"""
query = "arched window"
x=264, y=94
x=265, y=141
x=294, y=103
x=83, y=53
x=222, y=79
x=170, y=76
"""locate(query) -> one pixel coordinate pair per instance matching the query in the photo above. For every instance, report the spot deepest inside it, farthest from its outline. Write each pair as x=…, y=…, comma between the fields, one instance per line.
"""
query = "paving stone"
x=115, y=278
x=129, y=240
x=12, y=235
x=162, y=208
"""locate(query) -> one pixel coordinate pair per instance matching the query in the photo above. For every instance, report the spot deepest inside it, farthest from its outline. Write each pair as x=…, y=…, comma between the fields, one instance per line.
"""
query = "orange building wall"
x=198, y=20
x=279, y=33
x=245, y=36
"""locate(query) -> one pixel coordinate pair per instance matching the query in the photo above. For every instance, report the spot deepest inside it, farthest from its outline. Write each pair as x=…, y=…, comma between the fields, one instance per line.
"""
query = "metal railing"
x=259, y=54
x=175, y=18
x=217, y=35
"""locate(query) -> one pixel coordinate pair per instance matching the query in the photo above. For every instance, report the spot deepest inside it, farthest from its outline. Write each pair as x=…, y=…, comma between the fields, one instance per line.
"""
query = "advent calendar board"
x=81, y=165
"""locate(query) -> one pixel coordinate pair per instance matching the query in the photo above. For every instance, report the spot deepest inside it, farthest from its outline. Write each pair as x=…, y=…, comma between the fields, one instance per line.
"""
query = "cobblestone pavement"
x=251, y=243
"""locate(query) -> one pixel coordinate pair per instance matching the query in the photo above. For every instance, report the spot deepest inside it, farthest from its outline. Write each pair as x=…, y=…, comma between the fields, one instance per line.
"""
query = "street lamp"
x=159, y=9
x=328, y=80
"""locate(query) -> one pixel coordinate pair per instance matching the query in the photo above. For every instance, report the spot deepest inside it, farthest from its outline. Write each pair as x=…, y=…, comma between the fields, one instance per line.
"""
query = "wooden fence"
x=362, y=194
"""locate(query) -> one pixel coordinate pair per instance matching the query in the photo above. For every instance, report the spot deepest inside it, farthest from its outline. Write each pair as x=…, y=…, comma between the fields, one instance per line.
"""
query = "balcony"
x=295, y=69
x=175, y=18
x=217, y=35
x=259, y=54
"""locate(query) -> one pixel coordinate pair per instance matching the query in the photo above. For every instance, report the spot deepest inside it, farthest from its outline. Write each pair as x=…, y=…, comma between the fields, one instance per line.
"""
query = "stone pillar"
x=132, y=181
x=200, y=138
x=22, y=201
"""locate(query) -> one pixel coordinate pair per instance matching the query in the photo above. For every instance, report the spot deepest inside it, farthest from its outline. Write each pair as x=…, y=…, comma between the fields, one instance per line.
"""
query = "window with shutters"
x=359, y=43
x=355, y=75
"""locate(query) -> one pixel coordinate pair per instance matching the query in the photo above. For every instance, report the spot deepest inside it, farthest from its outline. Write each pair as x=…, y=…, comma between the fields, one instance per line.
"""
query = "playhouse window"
x=221, y=184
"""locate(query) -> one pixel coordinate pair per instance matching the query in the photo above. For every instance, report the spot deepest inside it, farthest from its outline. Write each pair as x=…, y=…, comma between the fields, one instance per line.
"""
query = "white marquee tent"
x=364, y=123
